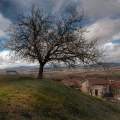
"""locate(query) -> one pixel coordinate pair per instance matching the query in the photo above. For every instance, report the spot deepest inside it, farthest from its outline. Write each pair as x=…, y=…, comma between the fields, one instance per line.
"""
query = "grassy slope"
x=29, y=99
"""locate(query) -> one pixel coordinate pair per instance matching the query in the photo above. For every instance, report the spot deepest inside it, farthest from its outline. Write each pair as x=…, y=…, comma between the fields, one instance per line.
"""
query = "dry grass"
x=79, y=75
x=23, y=98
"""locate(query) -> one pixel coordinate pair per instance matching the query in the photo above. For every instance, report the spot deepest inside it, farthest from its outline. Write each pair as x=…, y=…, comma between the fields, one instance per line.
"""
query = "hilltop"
x=24, y=98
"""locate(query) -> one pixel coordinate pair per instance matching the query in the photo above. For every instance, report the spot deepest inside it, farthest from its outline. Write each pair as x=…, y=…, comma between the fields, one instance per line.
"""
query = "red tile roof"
x=114, y=84
x=98, y=82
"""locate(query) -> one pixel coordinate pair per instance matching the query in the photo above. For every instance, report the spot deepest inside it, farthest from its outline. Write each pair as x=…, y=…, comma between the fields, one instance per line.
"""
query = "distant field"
x=25, y=98
x=113, y=74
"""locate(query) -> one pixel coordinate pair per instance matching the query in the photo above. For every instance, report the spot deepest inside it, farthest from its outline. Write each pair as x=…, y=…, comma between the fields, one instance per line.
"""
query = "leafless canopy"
x=41, y=37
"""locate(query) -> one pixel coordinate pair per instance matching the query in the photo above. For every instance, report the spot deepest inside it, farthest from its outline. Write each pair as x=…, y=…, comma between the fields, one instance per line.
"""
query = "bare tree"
x=40, y=37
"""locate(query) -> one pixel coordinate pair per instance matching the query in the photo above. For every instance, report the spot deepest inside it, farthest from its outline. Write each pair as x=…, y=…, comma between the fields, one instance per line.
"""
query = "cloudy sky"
x=102, y=20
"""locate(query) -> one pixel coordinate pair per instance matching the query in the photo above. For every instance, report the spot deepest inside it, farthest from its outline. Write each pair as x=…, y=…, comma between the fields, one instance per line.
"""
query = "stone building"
x=101, y=88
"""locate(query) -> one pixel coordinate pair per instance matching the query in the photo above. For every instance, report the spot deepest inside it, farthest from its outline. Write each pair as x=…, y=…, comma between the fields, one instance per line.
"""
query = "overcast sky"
x=102, y=19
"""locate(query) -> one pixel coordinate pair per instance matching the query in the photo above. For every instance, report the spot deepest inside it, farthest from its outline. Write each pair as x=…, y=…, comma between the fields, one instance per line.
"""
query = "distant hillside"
x=103, y=65
x=34, y=69
x=30, y=99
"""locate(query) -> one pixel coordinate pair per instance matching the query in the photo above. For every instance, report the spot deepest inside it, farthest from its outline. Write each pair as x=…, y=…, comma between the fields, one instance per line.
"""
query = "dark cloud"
x=12, y=8
x=8, y=9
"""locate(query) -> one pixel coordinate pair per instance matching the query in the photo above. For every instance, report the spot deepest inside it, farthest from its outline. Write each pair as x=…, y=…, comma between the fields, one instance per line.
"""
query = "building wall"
x=100, y=90
x=85, y=87
x=116, y=92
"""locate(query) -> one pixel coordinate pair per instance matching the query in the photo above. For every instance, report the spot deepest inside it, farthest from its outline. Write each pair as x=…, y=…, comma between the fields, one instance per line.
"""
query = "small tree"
x=106, y=68
x=42, y=38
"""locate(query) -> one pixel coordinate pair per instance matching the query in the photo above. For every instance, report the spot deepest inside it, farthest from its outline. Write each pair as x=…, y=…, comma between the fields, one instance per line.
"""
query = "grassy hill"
x=29, y=99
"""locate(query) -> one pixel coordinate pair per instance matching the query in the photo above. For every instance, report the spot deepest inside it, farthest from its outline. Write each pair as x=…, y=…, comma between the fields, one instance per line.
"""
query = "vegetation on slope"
x=30, y=99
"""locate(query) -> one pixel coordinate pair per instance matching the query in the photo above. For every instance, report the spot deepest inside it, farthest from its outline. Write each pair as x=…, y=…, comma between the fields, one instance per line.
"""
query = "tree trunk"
x=40, y=73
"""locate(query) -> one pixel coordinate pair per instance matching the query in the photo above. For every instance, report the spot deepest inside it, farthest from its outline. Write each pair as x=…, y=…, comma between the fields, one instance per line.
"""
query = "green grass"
x=23, y=98
x=116, y=74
